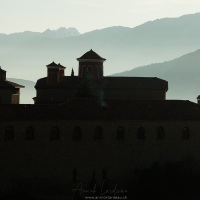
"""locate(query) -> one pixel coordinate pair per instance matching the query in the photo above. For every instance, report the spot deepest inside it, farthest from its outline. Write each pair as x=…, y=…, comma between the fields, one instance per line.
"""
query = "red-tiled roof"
x=110, y=109
x=9, y=84
x=137, y=83
x=91, y=55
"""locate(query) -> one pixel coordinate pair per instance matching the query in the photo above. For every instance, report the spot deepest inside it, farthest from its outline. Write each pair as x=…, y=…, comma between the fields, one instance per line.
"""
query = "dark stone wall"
x=46, y=165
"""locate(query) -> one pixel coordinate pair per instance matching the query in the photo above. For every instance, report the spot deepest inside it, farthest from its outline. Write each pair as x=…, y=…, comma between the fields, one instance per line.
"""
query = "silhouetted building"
x=92, y=129
x=46, y=148
x=90, y=82
x=9, y=91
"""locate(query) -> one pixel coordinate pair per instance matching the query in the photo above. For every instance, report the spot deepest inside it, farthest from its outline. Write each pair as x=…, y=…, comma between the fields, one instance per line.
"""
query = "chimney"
x=61, y=70
x=54, y=73
x=72, y=72
x=2, y=75
x=198, y=100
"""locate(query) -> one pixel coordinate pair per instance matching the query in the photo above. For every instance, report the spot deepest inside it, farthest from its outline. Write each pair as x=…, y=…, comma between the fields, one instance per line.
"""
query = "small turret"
x=198, y=100
x=91, y=65
x=54, y=73
x=72, y=73
x=2, y=74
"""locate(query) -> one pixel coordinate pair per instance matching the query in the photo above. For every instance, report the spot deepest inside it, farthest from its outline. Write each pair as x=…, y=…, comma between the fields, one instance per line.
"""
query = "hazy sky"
x=87, y=15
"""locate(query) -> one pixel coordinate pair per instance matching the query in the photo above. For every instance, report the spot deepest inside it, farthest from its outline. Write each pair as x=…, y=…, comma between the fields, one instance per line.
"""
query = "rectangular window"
x=30, y=133
x=9, y=133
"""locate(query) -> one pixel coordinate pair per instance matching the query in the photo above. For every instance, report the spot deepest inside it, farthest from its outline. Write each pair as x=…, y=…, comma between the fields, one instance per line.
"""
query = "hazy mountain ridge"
x=181, y=73
x=61, y=32
x=123, y=47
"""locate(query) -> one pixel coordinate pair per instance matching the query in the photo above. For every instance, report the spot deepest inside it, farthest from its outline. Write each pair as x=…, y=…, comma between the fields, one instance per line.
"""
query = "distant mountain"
x=27, y=93
x=61, y=33
x=182, y=75
x=124, y=48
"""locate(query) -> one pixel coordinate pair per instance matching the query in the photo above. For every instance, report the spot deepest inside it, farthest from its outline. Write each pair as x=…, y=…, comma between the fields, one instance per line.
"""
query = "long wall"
x=135, y=94
x=65, y=160
x=60, y=95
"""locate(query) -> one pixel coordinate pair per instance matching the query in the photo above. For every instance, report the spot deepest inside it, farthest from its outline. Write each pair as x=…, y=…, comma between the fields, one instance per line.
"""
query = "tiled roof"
x=64, y=82
x=9, y=84
x=141, y=83
x=110, y=109
x=53, y=64
x=137, y=83
x=91, y=55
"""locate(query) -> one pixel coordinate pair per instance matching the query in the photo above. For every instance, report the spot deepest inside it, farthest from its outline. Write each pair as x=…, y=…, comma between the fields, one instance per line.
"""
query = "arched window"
x=74, y=176
x=9, y=133
x=104, y=175
x=93, y=180
x=120, y=133
x=89, y=69
x=77, y=133
x=30, y=133
x=98, y=133
x=160, y=133
x=141, y=133
x=55, y=133
x=185, y=133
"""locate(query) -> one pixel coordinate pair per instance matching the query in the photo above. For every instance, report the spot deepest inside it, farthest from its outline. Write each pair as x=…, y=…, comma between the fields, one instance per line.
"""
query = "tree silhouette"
x=85, y=89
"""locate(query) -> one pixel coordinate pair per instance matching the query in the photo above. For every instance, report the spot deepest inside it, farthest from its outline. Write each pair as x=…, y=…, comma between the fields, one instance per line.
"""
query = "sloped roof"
x=91, y=55
x=109, y=109
x=53, y=64
x=1, y=70
x=64, y=82
x=136, y=83
x=9, y=84
x=61, y=66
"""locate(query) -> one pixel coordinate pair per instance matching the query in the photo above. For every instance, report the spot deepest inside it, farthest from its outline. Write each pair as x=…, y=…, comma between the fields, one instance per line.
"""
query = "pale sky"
x=87, y=15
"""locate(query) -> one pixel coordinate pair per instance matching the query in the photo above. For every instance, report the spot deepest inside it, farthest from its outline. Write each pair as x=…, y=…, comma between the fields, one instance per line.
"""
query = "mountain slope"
x=182, y=75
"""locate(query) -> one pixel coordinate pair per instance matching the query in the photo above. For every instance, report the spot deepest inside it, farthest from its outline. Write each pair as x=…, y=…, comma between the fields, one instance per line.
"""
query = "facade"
x=9, y=91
